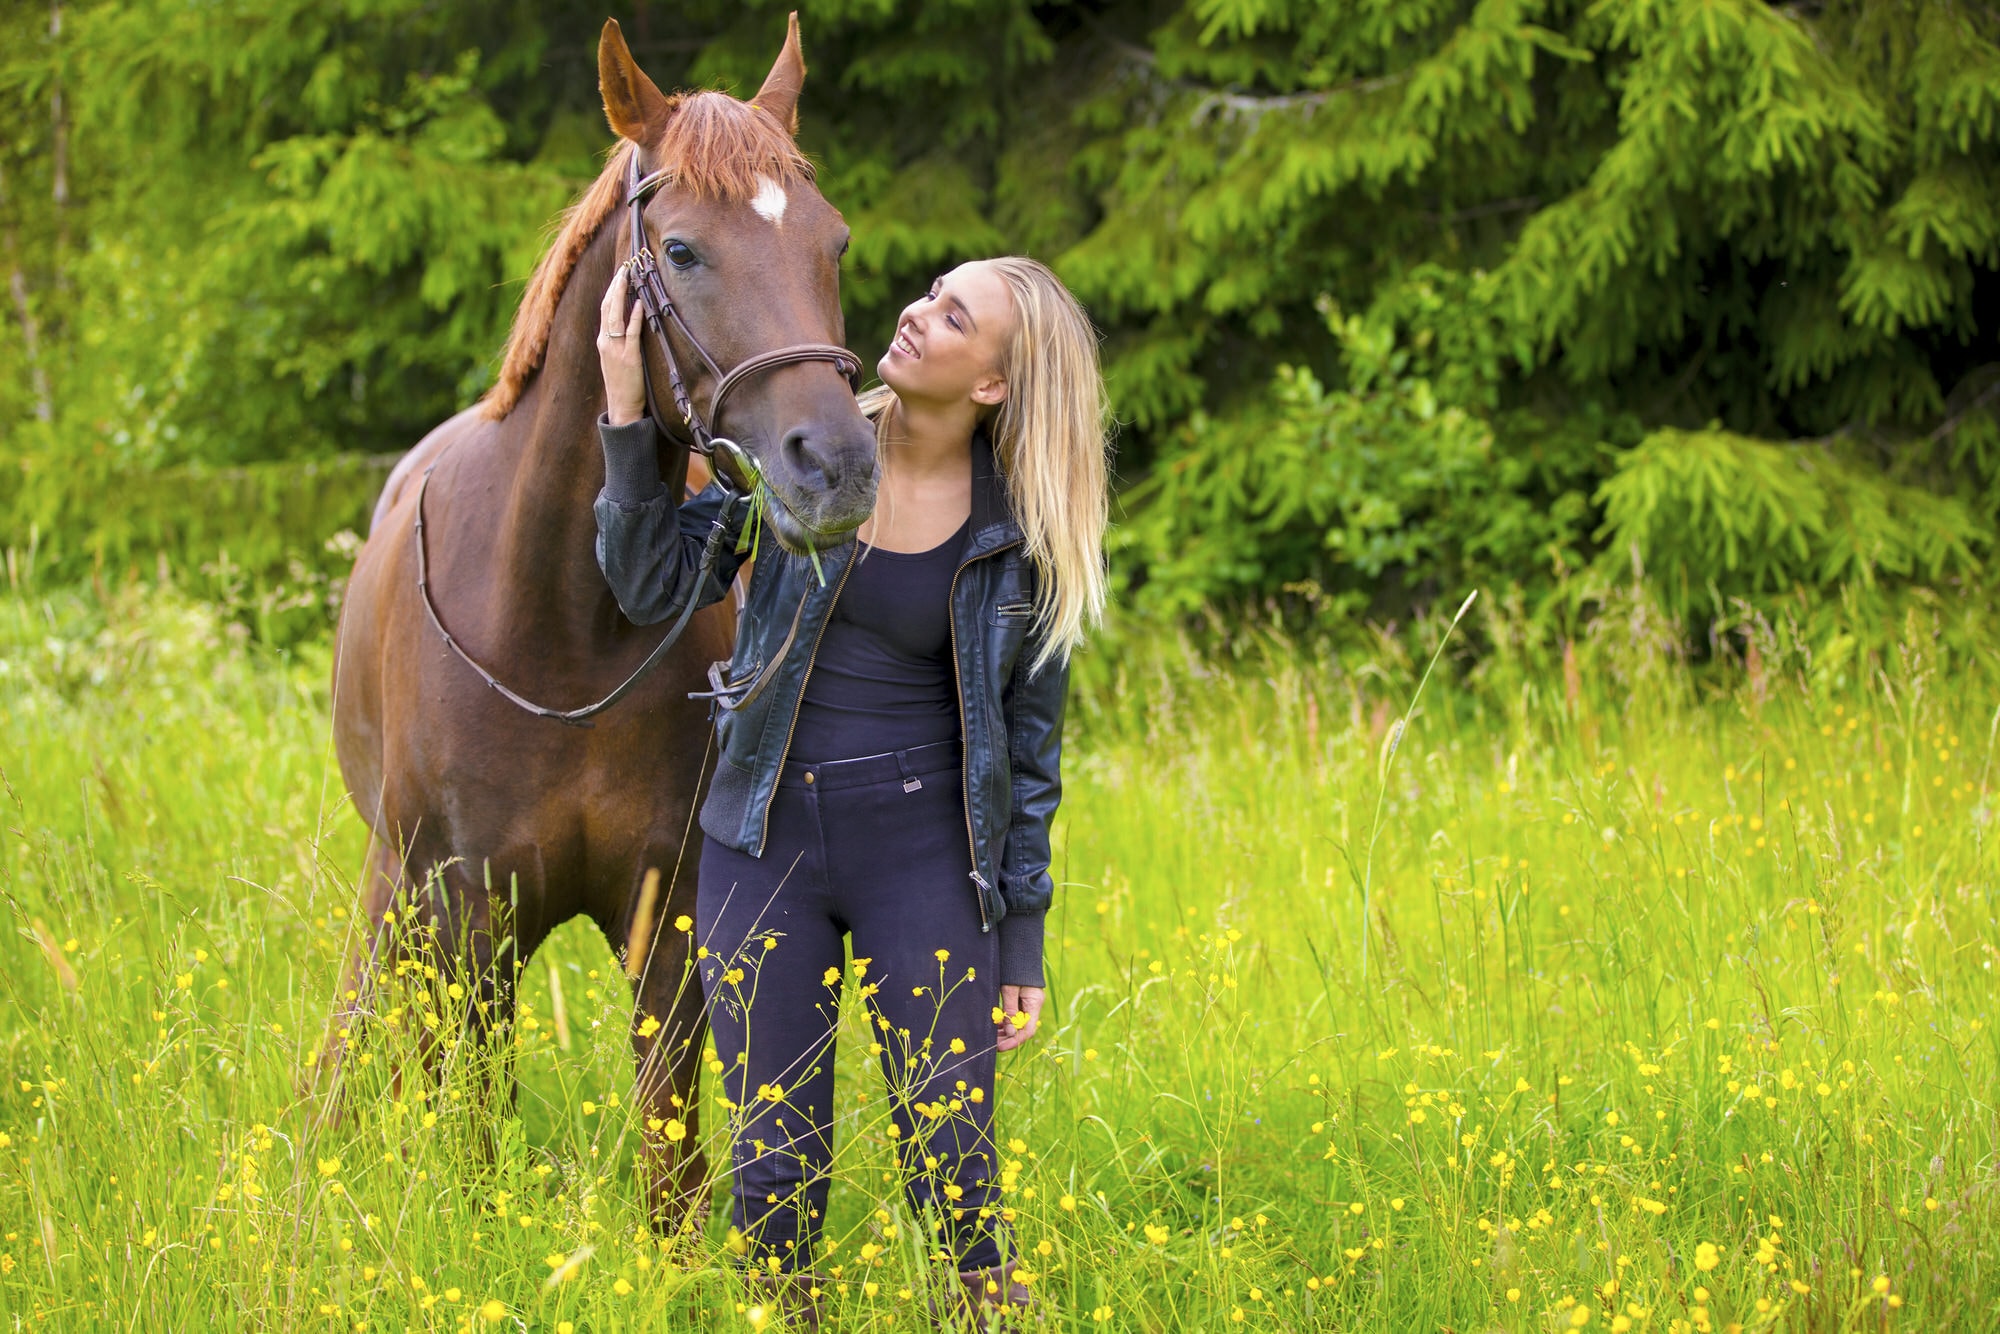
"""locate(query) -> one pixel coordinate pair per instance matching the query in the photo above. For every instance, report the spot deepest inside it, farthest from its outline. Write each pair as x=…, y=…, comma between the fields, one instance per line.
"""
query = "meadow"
x=1602, y=991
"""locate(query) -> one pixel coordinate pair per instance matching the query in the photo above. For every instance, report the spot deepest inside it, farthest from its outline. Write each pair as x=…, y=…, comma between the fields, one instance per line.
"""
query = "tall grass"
x=1678, y=1011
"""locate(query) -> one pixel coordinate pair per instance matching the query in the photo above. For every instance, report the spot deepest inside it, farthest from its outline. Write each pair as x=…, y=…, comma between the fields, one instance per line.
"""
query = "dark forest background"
x=1400, y=297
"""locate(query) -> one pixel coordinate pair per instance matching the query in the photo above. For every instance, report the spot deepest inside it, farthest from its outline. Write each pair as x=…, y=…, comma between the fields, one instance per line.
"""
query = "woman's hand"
x=618, y=353
x=1020, y=1015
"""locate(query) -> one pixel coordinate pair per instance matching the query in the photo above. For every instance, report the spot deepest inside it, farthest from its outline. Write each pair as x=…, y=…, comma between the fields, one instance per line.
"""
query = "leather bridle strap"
x=783, y=356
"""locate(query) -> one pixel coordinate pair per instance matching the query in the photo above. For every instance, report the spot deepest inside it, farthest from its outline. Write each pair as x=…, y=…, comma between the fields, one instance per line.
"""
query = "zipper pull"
x=985, y=922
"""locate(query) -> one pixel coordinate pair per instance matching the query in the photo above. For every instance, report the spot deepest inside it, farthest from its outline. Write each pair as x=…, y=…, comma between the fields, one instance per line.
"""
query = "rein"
x=648, y=283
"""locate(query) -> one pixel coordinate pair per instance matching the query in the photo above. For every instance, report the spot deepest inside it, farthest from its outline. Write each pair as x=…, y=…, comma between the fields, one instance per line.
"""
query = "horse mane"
x=716, y=148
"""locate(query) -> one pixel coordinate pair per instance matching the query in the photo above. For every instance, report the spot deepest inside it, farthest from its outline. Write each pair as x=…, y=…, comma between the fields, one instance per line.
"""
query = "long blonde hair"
x=1050, y=438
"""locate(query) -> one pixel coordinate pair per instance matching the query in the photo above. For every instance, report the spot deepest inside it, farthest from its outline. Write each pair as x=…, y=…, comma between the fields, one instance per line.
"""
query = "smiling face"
x=950, y=342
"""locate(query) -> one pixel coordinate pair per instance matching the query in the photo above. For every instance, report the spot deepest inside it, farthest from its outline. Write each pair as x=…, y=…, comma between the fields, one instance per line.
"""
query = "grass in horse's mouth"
x=761, y=498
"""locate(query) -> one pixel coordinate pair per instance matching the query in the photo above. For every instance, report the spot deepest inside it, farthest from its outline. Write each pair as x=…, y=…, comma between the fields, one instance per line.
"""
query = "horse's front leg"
x=360, y=977
x=668, y=1029
x=469, y=955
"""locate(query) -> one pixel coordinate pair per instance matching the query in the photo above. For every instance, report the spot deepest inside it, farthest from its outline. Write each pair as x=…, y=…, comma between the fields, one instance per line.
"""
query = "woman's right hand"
x=618, y=353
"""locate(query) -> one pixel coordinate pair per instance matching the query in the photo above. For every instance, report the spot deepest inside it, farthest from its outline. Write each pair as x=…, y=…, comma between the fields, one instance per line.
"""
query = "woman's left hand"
x=1018, y=1003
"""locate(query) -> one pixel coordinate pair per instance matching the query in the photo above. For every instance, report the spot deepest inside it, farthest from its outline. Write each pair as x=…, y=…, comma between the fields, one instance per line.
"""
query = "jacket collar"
x=993, y=521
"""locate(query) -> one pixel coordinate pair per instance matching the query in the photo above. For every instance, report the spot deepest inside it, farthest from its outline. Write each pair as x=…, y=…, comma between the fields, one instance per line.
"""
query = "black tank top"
x=882, y=679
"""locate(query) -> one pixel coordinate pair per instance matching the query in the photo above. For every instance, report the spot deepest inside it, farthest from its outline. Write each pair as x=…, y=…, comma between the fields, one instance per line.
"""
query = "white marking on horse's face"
x=770, y=201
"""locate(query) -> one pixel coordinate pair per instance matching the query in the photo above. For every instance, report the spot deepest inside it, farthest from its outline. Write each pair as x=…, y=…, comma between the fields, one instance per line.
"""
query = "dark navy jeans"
x=874, y=849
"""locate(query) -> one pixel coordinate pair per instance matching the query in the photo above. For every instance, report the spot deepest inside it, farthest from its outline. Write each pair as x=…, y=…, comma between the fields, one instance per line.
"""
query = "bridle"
x=649, y=285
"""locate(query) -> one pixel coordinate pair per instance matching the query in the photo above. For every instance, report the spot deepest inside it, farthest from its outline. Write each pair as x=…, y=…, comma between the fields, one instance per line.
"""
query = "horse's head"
x=750, y=255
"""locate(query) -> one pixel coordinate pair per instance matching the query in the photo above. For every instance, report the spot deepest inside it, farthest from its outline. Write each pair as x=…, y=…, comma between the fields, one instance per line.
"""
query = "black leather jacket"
x=650, y=551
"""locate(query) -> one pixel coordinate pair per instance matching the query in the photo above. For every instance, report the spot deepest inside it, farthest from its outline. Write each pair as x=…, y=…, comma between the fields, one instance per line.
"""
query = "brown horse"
x=504, y=825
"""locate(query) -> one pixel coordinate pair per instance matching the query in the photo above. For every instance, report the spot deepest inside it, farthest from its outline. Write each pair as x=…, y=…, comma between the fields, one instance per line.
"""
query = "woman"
x=894, y=777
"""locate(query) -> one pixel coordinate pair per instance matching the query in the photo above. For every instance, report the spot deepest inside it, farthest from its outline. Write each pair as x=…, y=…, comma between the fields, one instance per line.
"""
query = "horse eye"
x=678, y=255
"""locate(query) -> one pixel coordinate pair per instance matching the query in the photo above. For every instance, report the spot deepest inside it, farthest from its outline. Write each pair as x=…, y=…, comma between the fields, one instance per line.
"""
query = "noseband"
x=649, y=285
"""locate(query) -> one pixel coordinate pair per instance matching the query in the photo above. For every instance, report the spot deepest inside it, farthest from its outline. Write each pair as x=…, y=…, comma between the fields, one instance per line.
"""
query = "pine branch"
x=1237, y=104
x=1957, y=419
x=1493, y=208
x=1130, y=50
x=1252, y=106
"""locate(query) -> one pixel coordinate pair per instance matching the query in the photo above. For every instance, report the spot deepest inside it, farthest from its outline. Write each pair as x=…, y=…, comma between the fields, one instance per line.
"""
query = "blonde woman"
x=895, y=779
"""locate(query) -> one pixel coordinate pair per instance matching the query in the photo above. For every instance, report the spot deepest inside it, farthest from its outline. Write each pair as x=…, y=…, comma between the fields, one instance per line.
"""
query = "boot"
x=993, y=1301
x=790, y=1301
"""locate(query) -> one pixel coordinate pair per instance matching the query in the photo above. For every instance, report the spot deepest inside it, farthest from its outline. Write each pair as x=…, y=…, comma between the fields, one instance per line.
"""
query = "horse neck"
x=547, y=545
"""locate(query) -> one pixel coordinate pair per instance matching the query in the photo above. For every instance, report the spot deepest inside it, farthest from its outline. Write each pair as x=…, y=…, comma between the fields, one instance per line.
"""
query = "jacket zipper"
x=979, y=881
x=764, y=829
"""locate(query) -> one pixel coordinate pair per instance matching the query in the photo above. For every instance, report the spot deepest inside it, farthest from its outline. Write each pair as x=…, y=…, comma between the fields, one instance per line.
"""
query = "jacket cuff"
x=1021, y=949
x=631, y=460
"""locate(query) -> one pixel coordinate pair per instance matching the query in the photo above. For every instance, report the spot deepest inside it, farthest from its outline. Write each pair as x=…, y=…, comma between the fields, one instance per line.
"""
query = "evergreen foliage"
x=1400, y=295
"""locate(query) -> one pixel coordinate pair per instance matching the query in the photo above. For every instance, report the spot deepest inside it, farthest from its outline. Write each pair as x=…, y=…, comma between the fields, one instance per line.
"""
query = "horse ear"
x=634, y=105
x=780, y=93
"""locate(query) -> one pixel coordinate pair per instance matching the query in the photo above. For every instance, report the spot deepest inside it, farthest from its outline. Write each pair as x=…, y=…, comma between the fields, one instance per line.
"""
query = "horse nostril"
x=817, y=465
